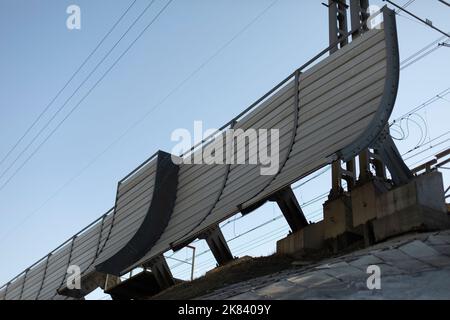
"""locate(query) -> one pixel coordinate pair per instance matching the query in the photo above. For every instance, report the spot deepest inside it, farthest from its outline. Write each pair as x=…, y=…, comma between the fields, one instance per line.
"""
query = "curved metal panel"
x=343, y=103
x=380, y=121
x=155, y=221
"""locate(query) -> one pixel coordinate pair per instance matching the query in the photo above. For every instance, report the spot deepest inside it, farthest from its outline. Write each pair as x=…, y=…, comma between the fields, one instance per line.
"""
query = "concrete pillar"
x=364, y=201
x=309, y=238
x=337, y=217
x=417, y=206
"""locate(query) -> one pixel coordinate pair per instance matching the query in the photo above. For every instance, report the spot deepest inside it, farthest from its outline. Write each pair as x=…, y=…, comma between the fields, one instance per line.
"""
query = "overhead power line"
x=87, y=94
x=425, y=22
x=47, y=107
x=407, y=4
x=421, y=161
x=426, y=143
x=47, y=124
x=424, y=52
x=425, y=104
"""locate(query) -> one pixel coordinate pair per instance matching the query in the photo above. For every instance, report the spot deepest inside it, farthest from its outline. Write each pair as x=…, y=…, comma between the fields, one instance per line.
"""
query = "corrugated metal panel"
x=14, y=289
x=33, y=281
x=200, y=186
x=339, y=98
x=132, y=203
x=93, y=245
x=141, y=218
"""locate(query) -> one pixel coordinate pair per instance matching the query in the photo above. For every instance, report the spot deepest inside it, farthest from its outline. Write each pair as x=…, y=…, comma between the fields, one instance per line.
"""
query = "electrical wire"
x=277, y=218
x=47, y=107
x=426, y=143
x=86, y=95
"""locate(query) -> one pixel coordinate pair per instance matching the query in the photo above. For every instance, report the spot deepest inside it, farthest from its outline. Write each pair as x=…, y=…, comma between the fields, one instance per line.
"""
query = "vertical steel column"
x=161, y=271
x=350, y=174
x=336, y=182
x=359, y=15
x=338, y=27
x=359, y=12
x=364, y=166
x=394, y=162
x=380, y=168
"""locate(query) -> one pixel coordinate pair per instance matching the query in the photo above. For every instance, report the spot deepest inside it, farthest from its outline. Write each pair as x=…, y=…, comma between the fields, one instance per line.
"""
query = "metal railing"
x=27, y=270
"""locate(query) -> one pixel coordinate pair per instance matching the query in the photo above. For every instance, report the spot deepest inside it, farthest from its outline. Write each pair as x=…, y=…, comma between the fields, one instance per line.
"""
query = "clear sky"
x=72, y=180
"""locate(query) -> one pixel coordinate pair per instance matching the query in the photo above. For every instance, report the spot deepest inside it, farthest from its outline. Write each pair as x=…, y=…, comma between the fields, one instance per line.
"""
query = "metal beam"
x=289, y=206
x=218, y=245
x=338, y=27
x=359, y=15
x=393, y=160
x=161, y=271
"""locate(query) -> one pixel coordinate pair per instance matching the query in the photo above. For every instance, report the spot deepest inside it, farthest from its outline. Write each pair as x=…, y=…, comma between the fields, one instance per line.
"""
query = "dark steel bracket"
x=218, y=245
x=161, y=271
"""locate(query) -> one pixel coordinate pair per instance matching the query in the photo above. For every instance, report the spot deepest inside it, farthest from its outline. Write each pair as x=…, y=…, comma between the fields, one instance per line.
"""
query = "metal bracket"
x=218, y=245
x=338, y=174
x=289, y=206
x=391, y=157
x=161, y=271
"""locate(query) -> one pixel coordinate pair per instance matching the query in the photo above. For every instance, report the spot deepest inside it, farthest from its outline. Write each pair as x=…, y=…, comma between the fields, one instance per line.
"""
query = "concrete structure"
x=364, y=200
x=375, y=213
x=412, y=267
x=417, y=206
x=337, y=217
x=309, y=238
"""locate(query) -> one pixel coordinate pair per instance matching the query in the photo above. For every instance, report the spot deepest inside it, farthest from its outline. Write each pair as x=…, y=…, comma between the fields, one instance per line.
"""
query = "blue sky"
x=55, y=195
